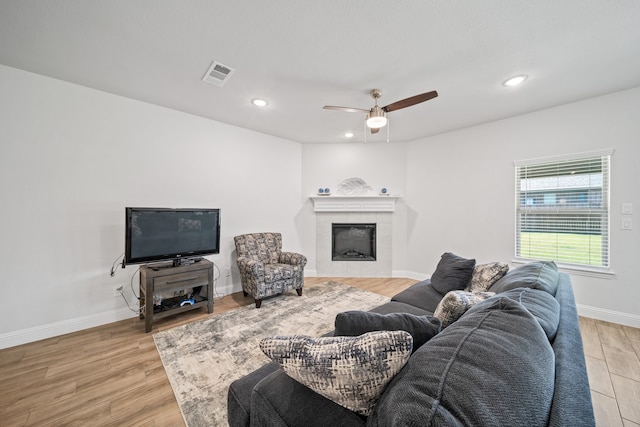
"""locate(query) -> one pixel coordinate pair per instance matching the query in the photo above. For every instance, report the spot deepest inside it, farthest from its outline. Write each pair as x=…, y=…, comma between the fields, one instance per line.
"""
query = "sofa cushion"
x=400, y=307
x=485, y=275
x=456, y=303
x=354, y=323
x=544, y=307
x=351, y=371
x=452, y=273
x=492, y=367
x=239, y=395
x=422, y=295
x=537, y=275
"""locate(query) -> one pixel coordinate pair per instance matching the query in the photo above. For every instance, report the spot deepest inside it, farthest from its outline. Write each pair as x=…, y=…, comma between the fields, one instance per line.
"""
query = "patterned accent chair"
x=265, y=269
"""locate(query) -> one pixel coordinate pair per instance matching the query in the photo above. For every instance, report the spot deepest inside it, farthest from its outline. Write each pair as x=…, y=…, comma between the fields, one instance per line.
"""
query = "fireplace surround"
x=366, y=209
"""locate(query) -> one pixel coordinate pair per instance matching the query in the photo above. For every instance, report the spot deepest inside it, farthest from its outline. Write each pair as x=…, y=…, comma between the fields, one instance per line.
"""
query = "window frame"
x=557, y=212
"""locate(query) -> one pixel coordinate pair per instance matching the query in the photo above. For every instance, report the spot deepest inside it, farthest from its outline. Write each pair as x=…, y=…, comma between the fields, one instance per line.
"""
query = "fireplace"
x=353, y=242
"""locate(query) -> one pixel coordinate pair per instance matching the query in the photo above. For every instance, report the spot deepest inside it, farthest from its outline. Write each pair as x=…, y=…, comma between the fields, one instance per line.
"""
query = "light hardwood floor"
x=112, y=375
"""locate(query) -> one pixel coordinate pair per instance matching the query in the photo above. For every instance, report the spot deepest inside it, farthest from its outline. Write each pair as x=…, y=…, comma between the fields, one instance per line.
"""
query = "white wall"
x=460, y=192
x=378, y=164
x=73, y=158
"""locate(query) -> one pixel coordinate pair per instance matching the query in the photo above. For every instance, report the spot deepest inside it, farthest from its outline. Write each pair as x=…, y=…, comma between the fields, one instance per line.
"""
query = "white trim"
x=354, y=203
x=37, y=333
x=618, y=317
x=575, y=156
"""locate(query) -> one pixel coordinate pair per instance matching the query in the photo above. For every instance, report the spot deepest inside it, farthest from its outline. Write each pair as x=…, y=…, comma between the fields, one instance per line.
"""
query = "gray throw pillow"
x=452, y=273
x=351, y=371
x=541, y=275
x=354, y=323
x=493, y=367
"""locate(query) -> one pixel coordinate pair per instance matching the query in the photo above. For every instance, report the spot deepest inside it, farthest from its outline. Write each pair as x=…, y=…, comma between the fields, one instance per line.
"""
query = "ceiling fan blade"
x=408, y=102
x=375, y=130
x=348, y=109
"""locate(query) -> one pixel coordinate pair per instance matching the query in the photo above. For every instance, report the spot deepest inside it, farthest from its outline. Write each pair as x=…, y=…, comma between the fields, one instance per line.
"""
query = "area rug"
x=202, y=358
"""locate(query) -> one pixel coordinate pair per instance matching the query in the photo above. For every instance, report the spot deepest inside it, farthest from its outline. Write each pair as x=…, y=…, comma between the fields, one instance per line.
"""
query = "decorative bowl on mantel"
x=324, y=191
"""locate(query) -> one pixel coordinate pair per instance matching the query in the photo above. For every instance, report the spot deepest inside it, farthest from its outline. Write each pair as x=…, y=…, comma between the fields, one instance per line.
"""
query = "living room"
x=74, y=157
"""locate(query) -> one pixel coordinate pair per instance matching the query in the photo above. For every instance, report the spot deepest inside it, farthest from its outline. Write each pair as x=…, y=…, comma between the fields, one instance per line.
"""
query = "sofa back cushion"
x=541, y=275
x=452, y=273
x=544, y=307
x=494, y=366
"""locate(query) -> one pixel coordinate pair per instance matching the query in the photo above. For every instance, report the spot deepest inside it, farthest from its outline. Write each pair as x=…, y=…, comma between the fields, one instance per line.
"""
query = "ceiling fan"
x=377, y=116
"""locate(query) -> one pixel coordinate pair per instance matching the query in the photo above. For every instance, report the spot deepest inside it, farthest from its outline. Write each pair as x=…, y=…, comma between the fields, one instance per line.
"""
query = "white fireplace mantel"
x=354, y=203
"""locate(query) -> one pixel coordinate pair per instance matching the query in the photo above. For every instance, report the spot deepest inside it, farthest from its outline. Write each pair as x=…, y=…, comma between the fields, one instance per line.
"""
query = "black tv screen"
x=159, y=234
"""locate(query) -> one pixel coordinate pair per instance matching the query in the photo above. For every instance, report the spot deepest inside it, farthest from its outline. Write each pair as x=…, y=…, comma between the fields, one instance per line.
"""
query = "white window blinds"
x=562, y=210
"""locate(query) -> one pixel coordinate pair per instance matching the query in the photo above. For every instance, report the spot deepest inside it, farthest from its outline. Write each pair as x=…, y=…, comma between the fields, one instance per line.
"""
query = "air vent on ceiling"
x=218, y=74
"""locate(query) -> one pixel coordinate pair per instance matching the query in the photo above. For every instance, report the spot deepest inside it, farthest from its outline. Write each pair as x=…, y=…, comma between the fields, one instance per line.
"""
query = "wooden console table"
x=164, y=279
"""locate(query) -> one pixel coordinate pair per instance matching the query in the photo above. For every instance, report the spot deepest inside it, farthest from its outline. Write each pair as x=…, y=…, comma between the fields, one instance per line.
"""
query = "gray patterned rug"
x=203, y=357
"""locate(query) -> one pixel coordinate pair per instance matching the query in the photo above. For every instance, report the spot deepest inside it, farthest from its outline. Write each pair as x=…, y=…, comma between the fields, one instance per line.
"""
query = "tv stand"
x=157, y=281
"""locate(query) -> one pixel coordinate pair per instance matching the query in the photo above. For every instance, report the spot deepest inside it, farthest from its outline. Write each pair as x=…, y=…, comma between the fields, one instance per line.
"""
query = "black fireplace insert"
x=353, y=242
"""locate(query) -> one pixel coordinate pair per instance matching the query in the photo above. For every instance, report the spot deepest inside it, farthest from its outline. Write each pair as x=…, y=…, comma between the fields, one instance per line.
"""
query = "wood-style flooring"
x=112, y=375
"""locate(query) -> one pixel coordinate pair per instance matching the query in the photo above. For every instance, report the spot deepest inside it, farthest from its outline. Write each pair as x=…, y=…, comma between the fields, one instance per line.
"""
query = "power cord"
x=215, y=281
x=113, y=266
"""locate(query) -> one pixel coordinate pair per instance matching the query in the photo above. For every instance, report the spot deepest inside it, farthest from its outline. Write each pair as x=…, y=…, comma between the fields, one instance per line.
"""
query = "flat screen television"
x=164, y=234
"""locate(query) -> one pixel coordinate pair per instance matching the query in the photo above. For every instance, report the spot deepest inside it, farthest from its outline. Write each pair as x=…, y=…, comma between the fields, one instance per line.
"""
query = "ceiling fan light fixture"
x=376, y=118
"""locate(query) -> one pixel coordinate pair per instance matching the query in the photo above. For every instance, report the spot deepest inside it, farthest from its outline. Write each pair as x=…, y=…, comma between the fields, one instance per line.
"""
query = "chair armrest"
x=292, y=258
x=251, y=266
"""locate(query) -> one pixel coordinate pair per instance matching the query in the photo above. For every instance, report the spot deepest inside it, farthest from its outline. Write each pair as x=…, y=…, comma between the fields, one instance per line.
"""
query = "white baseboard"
x=411, y=275
x=618, y=317
x=37, y=333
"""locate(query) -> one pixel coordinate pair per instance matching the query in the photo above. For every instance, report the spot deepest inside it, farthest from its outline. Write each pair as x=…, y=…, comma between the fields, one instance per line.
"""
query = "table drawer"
x=182, y=280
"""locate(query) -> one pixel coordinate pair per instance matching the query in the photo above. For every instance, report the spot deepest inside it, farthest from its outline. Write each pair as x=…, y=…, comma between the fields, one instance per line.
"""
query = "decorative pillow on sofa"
x=351, y=371
x=452, y=273
x=455, y=303
x=493, y=367
x=354, y=323
x=485, y=275
x=537, y=275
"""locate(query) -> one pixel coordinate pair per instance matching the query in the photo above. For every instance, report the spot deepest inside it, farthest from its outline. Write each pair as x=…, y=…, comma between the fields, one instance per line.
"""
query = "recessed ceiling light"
x=259, y=102
x=516, y=80
x=349, y=134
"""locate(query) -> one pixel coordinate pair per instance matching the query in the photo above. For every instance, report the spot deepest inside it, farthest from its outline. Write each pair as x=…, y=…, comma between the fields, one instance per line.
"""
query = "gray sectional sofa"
x=511, y=357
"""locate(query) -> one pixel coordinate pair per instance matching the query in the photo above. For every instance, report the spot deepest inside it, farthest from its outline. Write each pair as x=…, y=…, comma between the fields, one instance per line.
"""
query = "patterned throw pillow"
x=351, y=371
x=455, y=303
x=485, y=275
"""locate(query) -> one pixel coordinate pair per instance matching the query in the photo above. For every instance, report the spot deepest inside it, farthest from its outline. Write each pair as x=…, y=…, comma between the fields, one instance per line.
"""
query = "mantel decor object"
x=353, y=187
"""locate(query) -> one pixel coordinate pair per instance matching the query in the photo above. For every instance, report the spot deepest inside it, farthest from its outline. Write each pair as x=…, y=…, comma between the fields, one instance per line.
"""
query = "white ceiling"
x=303, y=54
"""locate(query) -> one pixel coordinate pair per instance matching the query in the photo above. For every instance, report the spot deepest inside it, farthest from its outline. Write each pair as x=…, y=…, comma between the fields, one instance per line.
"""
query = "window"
x=562, y=210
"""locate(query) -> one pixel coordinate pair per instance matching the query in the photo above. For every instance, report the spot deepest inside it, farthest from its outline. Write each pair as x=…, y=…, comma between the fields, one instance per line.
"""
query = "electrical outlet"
x=117, y=291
